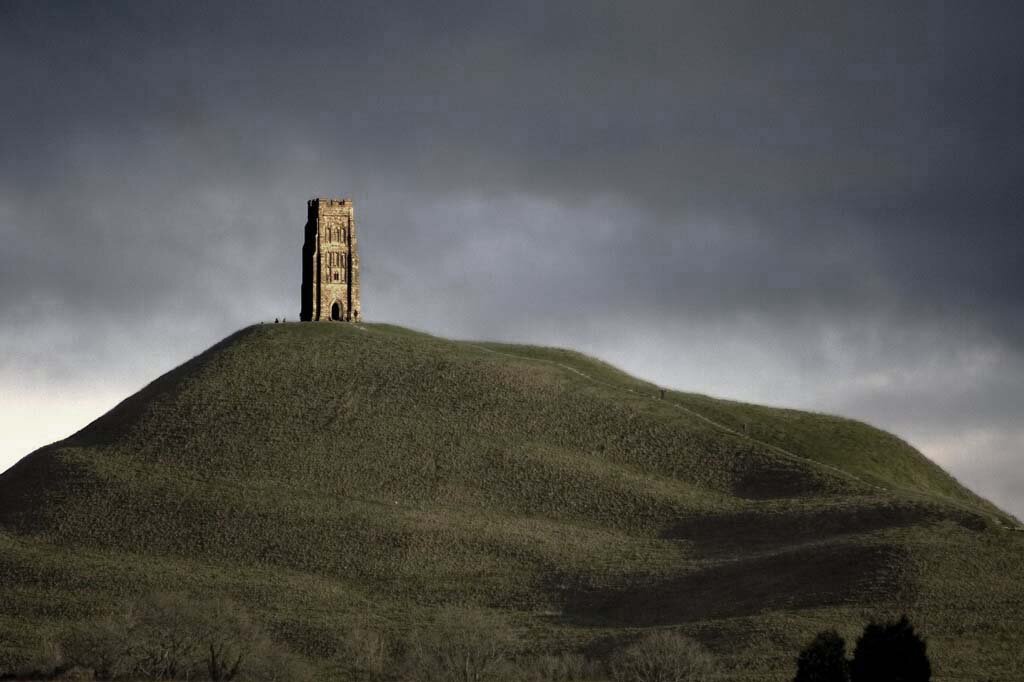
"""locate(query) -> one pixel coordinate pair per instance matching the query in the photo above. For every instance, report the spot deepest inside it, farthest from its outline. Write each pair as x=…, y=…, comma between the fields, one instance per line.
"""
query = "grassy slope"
x=872, y=455
x=325, y=473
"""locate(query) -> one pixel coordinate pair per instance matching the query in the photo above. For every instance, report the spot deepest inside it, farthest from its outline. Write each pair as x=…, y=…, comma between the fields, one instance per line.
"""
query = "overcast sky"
x=815, y=205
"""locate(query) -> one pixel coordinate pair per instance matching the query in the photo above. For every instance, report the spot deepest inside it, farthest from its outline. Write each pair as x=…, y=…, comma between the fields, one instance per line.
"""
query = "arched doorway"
x=336, y=311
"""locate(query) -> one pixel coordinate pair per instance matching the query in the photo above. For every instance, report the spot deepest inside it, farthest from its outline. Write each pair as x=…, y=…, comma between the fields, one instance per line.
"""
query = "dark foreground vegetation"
x=168, y=637
x=355, y=491
x=885, y=652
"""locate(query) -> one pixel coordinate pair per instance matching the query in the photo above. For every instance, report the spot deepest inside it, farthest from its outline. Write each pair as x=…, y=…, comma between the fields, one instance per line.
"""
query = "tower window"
x=337, y=276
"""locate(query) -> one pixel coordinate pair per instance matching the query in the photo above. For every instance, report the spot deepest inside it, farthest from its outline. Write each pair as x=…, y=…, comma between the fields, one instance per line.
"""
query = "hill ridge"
x=717, y=425
x=775, y=448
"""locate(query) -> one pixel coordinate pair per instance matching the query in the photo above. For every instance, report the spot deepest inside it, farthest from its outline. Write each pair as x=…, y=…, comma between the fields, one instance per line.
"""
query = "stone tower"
x=330, y=262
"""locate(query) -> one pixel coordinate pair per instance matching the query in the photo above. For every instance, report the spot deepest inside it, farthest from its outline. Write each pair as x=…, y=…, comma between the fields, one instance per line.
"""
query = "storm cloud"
x=808, y=206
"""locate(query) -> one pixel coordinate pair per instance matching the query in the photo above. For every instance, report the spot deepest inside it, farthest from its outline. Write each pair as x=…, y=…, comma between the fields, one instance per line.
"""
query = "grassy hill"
x=326, y=474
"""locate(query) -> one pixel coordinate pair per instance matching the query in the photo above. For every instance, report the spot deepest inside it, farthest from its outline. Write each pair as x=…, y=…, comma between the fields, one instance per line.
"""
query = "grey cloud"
x=766, y=198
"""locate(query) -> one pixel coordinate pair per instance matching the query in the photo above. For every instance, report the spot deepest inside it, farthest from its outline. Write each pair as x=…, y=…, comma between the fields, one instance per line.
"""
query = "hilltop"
x=325, y=473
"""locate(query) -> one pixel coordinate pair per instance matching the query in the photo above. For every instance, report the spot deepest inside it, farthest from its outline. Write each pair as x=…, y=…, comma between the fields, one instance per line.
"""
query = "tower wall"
x=330, y=262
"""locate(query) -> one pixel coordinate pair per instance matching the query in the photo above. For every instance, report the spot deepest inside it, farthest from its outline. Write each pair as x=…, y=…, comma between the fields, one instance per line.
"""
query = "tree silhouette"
x=890, y=652
x=823, y=660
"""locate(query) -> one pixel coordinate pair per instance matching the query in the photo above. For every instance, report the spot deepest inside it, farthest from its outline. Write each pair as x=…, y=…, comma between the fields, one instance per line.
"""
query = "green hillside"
x=326, y=474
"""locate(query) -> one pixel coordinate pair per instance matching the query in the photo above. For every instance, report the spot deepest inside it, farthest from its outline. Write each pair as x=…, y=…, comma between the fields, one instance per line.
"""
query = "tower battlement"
x=330, y=262
x=328, y=202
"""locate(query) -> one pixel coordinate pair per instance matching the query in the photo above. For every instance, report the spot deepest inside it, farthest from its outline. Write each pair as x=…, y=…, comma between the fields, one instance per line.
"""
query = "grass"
x=323, y=475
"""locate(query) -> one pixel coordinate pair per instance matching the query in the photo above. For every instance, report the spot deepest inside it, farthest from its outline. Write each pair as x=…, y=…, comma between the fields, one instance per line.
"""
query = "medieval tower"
x=330, y=262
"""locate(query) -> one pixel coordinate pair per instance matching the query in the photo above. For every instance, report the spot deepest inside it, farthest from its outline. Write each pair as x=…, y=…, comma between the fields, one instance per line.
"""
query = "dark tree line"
x=885, y=652
x=171, y=637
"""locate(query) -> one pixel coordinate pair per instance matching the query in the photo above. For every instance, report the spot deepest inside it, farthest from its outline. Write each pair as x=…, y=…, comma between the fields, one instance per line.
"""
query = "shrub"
x=890, y=652
x=28, y=655
x=558, y=668
x=278, y=666
x=367, y=649
x=460, y=645
x=664, y=657
x=165, y=642
x=823, y=660
x=230, y=638
x=166, y=636
x=103, y=645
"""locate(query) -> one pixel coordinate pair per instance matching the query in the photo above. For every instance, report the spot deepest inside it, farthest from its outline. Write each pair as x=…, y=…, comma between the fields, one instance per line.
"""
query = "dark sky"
x=806, y=204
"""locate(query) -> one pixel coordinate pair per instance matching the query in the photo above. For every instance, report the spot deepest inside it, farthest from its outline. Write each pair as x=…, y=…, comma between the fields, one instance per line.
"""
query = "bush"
x=823, y=660
x=664, y=657
x=367, y=649
x=103, y=645
x=28, y=655
x=460, y=646
x=278, y=666
x=164, y=637
x=890, y=652
x=558, y=668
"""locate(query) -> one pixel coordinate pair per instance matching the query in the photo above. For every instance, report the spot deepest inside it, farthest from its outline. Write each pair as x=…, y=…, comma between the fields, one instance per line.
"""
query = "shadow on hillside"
x=809, y=577
x=777, y=480
x=24, y=486
x=760, y=530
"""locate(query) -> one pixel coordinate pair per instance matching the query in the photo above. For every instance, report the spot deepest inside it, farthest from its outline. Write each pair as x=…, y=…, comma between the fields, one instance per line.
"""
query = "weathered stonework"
x=330, y=262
